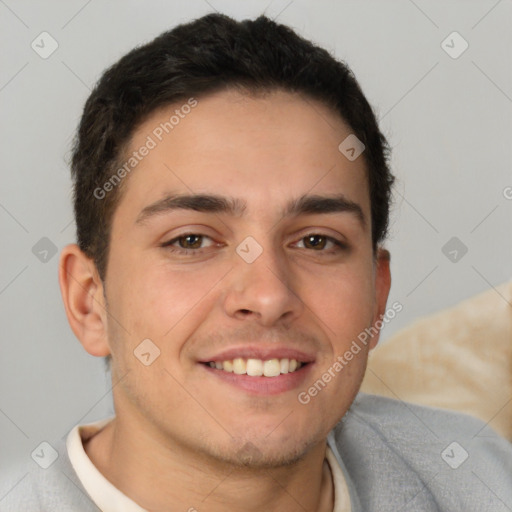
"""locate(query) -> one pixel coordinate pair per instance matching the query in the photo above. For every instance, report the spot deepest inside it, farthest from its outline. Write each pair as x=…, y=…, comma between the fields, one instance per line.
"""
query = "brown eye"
x=315, y=241
x=322, y=244
x=190, y=241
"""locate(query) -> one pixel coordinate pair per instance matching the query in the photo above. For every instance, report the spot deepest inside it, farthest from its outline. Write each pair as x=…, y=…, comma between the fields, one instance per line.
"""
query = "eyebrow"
x=212, y=203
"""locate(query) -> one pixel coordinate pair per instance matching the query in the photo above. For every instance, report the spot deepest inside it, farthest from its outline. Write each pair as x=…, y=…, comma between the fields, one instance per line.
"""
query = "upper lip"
x=260, y=352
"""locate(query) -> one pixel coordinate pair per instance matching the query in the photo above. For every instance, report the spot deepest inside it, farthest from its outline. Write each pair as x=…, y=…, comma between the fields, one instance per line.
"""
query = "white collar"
x=104, y=494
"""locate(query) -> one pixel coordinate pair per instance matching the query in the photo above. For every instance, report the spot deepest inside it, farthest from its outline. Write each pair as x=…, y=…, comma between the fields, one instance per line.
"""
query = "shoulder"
x=32, y=488
x=397, y=420
x=423, y=458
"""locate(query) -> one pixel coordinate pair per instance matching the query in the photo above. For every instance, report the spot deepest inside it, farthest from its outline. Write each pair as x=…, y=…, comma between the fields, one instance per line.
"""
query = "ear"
x=382, y=286
x=82, y=293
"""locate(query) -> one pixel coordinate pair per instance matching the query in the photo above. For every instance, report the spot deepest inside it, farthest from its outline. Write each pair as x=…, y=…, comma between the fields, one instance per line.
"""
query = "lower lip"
x=262, y=385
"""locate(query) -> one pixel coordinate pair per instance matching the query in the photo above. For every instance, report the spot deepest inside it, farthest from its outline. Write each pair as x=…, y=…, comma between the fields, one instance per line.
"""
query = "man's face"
x=193, y=281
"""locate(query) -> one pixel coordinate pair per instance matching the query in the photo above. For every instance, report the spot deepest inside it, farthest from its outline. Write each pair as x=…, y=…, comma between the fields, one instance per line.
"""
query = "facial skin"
x=179, y=420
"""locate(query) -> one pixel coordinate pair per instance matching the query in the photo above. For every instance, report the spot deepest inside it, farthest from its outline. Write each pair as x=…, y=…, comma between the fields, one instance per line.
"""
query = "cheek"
x=165, y=304
x=343, y=300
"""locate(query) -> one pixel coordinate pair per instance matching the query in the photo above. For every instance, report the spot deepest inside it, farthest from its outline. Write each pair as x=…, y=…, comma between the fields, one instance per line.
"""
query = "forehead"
x=265, y=149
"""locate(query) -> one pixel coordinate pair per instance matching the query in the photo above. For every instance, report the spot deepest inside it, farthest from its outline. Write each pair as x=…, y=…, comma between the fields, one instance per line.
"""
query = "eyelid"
x=339, y=244
x=175, y=238
x=325, y=232
x=185, y=230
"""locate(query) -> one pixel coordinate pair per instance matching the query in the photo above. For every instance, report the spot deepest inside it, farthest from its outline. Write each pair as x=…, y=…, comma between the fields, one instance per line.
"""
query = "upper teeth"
x=258, y=367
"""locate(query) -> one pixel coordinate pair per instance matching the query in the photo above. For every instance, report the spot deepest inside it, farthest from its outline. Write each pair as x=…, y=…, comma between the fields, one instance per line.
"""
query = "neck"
x=160, y=477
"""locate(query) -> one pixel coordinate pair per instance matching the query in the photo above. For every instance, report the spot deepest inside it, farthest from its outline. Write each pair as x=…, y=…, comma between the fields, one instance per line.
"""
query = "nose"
x=263, y=291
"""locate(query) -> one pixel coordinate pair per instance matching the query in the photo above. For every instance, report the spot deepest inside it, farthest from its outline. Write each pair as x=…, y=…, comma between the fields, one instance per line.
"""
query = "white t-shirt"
x=110, y=499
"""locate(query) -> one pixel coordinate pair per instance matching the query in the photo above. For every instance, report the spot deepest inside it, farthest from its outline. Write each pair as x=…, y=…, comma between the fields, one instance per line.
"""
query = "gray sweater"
x=395, y=456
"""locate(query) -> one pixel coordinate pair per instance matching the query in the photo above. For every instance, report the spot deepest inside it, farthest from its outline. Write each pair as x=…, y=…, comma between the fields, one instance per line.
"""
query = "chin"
x=264, y=454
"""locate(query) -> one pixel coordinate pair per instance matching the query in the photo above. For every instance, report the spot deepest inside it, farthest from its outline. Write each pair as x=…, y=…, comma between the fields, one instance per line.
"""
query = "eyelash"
x=340, y=246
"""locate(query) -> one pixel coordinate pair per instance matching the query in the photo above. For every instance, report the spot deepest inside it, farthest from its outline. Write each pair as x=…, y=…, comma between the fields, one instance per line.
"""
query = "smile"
x=258, y=367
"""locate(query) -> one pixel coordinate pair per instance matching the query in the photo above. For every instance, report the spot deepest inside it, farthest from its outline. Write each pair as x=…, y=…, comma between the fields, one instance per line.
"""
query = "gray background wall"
x=448, y=119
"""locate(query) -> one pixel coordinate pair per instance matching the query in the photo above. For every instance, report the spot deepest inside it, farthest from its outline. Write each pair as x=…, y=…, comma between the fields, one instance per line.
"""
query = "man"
x=232, y=198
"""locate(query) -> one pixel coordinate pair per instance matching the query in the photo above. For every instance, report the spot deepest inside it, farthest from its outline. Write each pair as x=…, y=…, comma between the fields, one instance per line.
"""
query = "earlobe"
x=382, y=287
x=82, y=293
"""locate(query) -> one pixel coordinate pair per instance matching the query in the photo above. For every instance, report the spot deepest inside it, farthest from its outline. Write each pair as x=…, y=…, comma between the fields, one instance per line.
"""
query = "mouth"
x=259, y=370
x=258, y=367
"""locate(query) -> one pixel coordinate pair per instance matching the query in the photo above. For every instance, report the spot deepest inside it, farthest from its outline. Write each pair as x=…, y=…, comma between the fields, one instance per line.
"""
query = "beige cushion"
x=459, y=358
